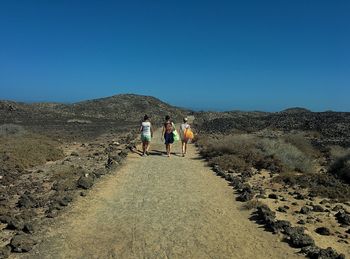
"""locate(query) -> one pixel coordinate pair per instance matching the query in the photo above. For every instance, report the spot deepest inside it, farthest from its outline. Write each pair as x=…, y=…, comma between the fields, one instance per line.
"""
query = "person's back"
x=146, y=134
x=146, y=128
x=184, y=128
x=167, y=133
x=168, y=125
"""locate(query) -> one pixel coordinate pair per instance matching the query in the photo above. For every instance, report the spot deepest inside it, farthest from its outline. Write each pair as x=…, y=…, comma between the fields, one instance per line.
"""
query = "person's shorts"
x=146, y=138
x=169, y=138
x=185, y=140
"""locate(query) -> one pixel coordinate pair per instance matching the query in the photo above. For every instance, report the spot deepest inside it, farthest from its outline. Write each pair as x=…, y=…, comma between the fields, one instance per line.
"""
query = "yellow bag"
x=188, y=134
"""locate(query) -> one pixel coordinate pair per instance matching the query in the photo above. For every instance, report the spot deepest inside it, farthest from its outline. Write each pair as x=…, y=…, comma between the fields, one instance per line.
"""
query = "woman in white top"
x=184, y=126
x=146, y=134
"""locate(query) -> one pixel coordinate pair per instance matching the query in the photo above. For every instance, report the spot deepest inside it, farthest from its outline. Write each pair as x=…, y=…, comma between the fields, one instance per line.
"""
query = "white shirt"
x=184, y=126
x=146, y=128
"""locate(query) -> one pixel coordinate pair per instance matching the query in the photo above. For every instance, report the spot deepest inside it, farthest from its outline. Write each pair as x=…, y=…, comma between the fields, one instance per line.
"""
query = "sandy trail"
x=159, y=207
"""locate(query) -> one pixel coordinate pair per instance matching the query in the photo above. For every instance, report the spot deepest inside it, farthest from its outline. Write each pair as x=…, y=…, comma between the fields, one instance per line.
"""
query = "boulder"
x=299, y=240
x=282, y=209
x=343, y=218
x=28, y=228
x=317, y=208
x=273, y=196
x=279, y=226
x=305, y=210
x=5, y=251
x=323, y=231
x=85, y=182
x=15, y=224
x=26, y=201
x=246, y=194
x=22, y=243
x=315, y=252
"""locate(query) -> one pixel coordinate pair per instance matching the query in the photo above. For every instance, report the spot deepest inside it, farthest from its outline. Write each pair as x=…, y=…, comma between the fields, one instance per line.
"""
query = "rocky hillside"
x=333, y=127
x=88, y=118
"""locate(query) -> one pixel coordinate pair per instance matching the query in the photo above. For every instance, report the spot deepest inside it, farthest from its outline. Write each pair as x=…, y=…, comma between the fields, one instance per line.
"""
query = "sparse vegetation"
x=341, y=168
x=11, y=130
x=21, y=152
x=292, y=158
x=242, y=151
x=252, y=204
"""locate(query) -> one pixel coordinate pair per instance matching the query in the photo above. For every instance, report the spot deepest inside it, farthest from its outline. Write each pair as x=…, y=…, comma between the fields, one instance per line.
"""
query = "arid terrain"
x=292, y=169
x=290, y=174
x=52, y=153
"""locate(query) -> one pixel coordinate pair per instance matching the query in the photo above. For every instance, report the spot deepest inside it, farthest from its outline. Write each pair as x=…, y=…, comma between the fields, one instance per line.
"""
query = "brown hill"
x=88, y=118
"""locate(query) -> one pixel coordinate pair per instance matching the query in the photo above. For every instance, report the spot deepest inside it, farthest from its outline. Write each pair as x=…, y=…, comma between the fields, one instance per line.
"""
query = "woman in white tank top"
x=146, y=134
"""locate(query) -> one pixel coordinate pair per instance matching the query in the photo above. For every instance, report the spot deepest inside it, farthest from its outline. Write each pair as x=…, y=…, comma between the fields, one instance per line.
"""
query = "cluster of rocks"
x=239, y=182
x=295, y=236
x=51, y=188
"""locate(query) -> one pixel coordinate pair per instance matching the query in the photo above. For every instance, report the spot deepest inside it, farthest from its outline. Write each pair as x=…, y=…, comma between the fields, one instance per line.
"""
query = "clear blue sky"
x=249, y=55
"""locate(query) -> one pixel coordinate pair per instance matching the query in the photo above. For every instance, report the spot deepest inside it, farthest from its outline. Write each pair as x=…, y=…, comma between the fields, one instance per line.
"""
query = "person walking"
x=146, y=135
x=185, y=134
x=167, y=134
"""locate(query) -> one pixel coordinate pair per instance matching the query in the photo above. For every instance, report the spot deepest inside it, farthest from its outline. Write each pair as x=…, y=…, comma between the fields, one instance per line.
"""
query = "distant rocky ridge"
x=334, y=127
x=88, y=119
x=123, y=107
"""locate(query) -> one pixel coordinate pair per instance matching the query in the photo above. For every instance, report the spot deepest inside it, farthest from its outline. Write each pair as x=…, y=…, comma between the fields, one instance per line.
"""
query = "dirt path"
x=159, y=207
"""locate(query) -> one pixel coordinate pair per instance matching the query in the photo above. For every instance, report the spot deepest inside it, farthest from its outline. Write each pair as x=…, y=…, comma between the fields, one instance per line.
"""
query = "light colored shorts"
x=146, y=138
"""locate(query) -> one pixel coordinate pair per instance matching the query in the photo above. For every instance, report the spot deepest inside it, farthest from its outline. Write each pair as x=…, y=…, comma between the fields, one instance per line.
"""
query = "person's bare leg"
x=169, y=150
x=183, y=148
x=147, y=148
x=143, y=148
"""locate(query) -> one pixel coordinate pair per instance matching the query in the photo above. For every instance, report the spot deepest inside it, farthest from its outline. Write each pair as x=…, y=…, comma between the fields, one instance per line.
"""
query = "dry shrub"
x=320, y=184
x=11, y=130
x=252, y=204
x=341, y=168
x=21, y=152
x=338, y=151
x=228, y=161
x=290, y=156
x=232, y=144
x=245, y=150
x=302, y=143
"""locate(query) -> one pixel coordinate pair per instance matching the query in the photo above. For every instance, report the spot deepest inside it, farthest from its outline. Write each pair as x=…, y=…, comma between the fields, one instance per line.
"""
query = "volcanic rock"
x=22, y=243
x=343, y=218
x=85, y=182
x=323, y=231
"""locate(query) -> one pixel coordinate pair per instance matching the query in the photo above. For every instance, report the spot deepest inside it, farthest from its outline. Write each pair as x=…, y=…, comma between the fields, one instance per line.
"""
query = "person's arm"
x=151, y=128
x=141, y=128
x=163, y=131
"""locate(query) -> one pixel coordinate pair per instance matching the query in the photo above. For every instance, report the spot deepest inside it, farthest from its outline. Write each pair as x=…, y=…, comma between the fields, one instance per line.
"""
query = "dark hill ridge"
x=334, y=127
x=126, y=107
x=89, y=118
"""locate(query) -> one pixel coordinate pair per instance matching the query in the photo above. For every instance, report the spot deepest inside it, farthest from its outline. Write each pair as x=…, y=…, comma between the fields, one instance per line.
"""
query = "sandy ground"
x=159, y=207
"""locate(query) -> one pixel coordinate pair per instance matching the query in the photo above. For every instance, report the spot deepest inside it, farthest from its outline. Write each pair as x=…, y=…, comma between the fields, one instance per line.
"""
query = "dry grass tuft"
x=21, y=152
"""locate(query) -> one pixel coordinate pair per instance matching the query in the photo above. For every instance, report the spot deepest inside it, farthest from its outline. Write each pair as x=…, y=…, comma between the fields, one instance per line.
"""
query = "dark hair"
x=145, y=117
x=167, y=117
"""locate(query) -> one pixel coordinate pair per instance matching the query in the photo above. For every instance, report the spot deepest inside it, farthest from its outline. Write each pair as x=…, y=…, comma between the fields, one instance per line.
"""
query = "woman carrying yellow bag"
x=186, y=135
